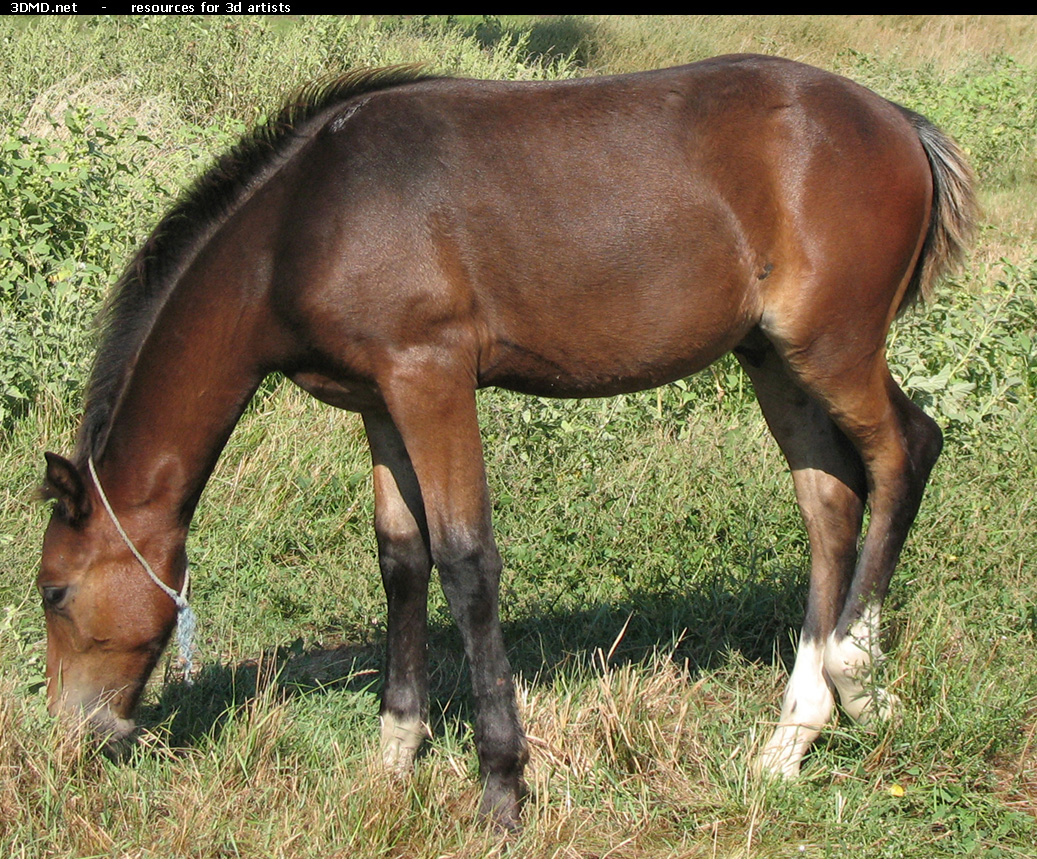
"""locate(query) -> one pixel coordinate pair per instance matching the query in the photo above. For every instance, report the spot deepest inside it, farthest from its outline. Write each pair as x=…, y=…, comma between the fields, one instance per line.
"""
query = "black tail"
x=952, y=224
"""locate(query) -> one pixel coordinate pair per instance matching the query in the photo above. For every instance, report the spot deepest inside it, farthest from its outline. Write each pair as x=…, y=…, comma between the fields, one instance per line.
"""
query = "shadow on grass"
x=701, y=628
x=548, y=38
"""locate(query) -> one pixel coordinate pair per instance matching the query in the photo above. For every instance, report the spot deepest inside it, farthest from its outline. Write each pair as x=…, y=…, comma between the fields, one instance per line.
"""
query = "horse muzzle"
x=96, y=717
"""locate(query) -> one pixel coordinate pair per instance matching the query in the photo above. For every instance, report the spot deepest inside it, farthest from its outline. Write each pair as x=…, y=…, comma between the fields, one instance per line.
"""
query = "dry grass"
x=118, y=98
x=950, y=42
x=631, y=736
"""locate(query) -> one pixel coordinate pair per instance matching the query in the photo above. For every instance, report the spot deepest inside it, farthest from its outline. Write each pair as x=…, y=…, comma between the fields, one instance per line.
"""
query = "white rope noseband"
x=186, y=621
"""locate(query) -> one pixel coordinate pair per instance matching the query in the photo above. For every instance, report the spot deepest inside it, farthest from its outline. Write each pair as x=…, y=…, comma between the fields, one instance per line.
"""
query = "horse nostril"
x=54, y=595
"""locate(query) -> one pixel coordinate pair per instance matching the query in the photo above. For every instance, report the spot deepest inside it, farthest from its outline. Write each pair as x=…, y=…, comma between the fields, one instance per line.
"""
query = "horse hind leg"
x=899, y=445
x=406, y=563
x=830, y=487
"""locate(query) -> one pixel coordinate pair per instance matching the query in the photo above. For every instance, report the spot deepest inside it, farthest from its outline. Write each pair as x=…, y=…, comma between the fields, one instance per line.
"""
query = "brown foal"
x=393, y=242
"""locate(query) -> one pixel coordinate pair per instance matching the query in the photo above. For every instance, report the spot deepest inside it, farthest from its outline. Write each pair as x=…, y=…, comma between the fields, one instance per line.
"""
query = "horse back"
x=593, y=236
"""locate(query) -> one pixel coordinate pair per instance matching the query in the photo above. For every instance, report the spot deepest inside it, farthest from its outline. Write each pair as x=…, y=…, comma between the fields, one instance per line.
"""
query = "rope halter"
x=186, y=621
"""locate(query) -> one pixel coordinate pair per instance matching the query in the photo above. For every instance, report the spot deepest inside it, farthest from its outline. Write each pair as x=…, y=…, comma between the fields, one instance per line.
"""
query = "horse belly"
x=646, y=295
x=581, y=347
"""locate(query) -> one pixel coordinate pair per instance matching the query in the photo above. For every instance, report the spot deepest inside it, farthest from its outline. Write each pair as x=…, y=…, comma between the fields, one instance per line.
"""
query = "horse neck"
x=195, y=372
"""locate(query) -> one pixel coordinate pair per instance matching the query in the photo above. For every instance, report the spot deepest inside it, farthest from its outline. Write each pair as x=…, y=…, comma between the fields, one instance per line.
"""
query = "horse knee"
x=469, y=570
x=403, y=559
x=464, y=549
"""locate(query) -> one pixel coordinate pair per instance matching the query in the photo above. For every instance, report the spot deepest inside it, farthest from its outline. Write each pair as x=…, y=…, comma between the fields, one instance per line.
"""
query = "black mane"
x=150, y=277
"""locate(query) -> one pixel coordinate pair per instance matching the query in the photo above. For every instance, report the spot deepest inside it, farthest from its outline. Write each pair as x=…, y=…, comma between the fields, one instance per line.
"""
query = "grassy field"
x=655, y=563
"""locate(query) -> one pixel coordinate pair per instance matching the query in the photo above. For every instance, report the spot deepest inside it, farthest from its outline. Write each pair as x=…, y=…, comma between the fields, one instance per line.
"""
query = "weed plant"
x=655, y=564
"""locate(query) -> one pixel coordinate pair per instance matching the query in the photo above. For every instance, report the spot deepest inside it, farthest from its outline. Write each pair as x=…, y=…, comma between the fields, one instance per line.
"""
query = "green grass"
x=655, y=564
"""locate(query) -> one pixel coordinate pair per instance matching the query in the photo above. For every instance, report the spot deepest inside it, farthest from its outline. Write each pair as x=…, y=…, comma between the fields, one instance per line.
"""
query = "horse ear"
x=65, y=484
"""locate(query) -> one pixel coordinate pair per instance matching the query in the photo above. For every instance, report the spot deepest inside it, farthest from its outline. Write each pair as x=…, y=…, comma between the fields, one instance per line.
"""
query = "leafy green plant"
x=969, y=358
x=64, y=206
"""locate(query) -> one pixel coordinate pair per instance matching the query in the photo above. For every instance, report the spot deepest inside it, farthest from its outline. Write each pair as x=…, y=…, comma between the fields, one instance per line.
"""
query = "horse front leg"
x=438, y=425
x=405, y=562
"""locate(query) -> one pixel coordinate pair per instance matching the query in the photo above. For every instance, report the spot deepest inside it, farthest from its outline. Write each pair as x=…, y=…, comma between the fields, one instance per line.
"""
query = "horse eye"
x=54, y=596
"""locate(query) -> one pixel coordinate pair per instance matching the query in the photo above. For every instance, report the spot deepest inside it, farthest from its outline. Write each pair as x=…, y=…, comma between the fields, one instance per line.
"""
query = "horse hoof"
x=501, y=805
x=400, y=743
x=782, y=754
x=774, y=764
x=880, y=707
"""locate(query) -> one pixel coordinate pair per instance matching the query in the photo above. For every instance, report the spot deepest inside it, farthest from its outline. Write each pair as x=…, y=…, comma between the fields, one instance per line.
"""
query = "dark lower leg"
x=404, y=710
x=406, y=563
x=434, y=408
x=471, y=582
